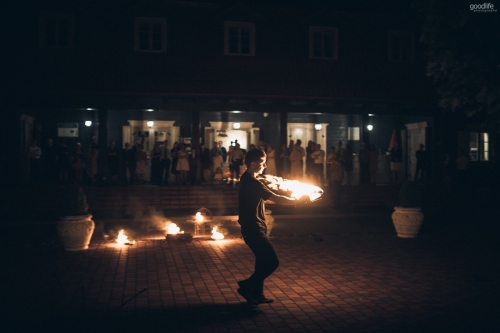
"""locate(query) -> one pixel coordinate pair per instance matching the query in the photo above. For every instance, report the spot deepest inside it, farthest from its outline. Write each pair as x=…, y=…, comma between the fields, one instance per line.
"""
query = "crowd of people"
x=179, y=164
x=59, y=164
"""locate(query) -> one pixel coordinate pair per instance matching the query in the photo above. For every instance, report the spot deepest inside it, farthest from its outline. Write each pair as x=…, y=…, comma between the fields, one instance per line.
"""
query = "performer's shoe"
x=245, y=284
x=263, y=299
x=247, y=296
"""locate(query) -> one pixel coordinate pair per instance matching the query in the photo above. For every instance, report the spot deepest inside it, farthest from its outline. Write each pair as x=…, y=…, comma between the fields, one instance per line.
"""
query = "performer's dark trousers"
x=266, y=262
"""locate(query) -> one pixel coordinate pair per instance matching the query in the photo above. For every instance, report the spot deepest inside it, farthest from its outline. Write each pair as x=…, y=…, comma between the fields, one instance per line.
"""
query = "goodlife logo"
x=485, y=7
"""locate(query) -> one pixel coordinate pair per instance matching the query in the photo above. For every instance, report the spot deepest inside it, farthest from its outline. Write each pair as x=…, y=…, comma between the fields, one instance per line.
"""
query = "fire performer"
x=252, y=195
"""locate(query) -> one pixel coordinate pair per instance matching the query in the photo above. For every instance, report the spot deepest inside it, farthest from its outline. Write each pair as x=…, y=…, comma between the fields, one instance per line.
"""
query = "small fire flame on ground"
x=173, y=229
x=122, y=239
x=216, y=235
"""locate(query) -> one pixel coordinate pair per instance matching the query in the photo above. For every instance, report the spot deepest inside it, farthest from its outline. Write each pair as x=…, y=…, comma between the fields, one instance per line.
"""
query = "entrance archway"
x=225, y=132
x=307, y=131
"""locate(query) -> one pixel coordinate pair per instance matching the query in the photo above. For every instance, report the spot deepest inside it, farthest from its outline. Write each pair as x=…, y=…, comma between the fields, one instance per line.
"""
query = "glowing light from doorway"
x=236, y=126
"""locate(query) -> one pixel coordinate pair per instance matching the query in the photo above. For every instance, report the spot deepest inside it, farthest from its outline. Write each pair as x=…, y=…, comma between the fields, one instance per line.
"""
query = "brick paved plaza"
x=346, y=282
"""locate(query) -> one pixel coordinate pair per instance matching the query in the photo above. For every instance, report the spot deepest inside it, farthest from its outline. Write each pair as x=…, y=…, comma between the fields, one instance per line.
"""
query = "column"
x=102, y=161
x=283, y=130
x=195, y=139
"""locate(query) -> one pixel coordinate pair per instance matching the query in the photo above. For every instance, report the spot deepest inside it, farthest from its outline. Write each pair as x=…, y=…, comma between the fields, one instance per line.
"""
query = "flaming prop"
x=122, y=239
x=173, y=229
x=198, y=217
x=293, y=188
x=216, y=235
x=175, y=233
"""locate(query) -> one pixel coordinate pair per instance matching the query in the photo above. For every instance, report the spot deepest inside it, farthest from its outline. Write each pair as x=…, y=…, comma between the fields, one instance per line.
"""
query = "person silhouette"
x=252, y=195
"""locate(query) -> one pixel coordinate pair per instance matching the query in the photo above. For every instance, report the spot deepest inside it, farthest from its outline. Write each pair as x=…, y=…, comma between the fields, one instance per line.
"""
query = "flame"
x=173, y=229
x=199, y=217
x=122, y=239
x=216, y=235
x=296, y=188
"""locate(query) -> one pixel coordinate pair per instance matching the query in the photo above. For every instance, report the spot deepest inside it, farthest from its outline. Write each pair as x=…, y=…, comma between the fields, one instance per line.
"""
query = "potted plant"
x=407, y=217
x=75, y=226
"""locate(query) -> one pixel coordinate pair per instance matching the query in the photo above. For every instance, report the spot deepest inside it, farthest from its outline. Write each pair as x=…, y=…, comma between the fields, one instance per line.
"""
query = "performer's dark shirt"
x=252, y=195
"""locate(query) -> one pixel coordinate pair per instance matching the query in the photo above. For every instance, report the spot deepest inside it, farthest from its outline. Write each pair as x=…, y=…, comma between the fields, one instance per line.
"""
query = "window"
x=401, y=46
x=150, y=34
x=239, y=38
x=479, y=146
x=56, y=30
x=353, y=133
x=323, y=43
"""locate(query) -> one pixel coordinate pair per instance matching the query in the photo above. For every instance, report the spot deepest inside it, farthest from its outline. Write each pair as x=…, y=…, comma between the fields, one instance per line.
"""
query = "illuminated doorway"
x=225, y=132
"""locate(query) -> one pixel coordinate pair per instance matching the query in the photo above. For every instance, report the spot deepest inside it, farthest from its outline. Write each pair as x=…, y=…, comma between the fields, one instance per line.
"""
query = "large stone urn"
x=75, y=226
x=407, y=221
x=407, y=217
x=75, y=232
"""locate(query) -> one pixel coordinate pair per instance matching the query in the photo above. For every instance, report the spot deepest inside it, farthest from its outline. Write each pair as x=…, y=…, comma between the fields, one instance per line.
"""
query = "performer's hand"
x=303, y=200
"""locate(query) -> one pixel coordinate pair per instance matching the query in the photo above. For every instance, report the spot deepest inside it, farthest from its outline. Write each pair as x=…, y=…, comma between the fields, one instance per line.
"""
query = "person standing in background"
x=284, y=162
x=291, y=144
x=156, y=164
x=396, y=159
x=296, y=163
x=49, y=159
x=218, y=166
x=236, y=162
x=302, y=152
x=421, y=156
x=205, y=163
x=35, y=153
x=310, y=168
x=335, y=177
x=133, y=161
x=113, y=162
x=165, y=163
x=173, y=153
x=373, y=164
x=64, y=161
x=194, y=163
x=78, y=163
x=348, y=164
x=182, y=164
x=141, y=163
x=364, y=164
x=126, y=160
x=92, y=155
x=214, y=149
x=271, y=160
x=318, y=156
x=223, y=152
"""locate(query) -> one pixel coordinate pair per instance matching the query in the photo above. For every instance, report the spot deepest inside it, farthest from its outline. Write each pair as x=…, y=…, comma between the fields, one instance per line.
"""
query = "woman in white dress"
x=182, y=164
x=296, y=163
x=218, y=166
x=271, y=160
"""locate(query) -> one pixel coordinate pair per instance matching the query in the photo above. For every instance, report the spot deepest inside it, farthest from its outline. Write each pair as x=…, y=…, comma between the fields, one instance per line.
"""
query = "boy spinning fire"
x=252, y=195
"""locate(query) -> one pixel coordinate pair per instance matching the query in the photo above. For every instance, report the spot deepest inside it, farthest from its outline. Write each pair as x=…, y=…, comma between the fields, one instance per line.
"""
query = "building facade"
x=210, y=71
